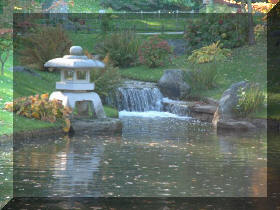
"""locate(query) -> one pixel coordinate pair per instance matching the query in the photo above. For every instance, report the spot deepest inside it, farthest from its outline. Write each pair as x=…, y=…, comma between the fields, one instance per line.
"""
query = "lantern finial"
x=76, y=50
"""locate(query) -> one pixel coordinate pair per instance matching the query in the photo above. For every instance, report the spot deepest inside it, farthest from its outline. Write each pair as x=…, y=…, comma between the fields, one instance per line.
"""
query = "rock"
x=229, y=100
x=208, y=109
x=234, y=125
x=173, y=85
x=212, y=101
x=260, y=123
x=96, y=126
x=24, y=70
x=203, y=112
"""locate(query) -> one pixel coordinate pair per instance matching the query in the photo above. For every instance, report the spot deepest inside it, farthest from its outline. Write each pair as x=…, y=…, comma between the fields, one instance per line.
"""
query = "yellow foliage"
x=67, y=126
x=209, y=53
x=45, y=96
x=40, y=108
x=106, y=60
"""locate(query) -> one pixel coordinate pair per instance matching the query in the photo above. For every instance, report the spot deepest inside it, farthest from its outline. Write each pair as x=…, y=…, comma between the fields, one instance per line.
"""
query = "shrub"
x=44, y=44
x=40, y=108
x=154, y=52
x=106, y=79
x=260, y=32
x=209, y=53
x=122, y=48
x=228, y=28
x=203, y=76
x=250, y=99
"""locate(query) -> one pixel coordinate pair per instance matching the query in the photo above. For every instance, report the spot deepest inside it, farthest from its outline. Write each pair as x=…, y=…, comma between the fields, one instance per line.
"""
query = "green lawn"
x=6, y=95
x=111, y=112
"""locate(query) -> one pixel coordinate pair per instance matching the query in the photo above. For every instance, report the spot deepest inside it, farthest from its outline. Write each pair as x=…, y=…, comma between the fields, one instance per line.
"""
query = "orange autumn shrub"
x=261, y=7
x=41, y=108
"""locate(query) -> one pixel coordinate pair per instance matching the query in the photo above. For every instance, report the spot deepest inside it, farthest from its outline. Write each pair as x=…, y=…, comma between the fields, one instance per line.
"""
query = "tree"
x=251, y=37
x=5, y=47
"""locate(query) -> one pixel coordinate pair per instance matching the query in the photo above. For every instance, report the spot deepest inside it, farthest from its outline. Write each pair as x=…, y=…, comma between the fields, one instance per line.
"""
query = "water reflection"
x=153, y=157
x=6, y=171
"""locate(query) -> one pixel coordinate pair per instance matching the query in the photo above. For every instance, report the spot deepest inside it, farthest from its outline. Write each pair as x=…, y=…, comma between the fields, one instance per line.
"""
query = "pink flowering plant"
x=154, y=52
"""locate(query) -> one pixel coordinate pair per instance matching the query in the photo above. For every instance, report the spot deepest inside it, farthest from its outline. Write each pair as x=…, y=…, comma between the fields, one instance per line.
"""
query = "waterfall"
x=180, y=108
x=135, y=96
x=139, y=100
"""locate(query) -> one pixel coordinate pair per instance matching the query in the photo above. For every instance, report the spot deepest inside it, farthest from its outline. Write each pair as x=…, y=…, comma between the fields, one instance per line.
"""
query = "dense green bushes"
x=121, y=47
x=230, y=29
x=105, y=80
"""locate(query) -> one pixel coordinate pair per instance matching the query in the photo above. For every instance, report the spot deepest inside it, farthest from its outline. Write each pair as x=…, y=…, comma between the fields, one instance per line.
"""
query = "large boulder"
x=229, y=100
x=173, y=85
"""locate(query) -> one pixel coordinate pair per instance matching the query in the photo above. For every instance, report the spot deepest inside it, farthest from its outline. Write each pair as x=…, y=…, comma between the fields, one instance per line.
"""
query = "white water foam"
x=151, y=114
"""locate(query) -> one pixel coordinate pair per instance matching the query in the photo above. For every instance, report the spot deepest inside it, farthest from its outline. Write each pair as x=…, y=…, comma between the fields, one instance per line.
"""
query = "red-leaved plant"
x=154, y=52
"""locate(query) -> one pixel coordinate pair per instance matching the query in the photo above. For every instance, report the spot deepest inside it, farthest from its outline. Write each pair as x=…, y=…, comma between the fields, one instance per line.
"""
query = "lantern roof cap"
x=76, y=60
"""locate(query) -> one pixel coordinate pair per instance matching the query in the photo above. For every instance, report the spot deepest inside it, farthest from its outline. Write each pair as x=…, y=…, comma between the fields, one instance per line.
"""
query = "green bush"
x=122, y=48
x=251, y=98
x=260, y=32
x=154, y=52
x=228, y=28
x=202, y=77
x=42, y=45
x=105, y=80
x=209, y=53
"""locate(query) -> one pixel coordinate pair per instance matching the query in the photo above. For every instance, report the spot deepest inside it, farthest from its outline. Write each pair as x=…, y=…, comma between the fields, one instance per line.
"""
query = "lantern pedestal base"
x=71, y=98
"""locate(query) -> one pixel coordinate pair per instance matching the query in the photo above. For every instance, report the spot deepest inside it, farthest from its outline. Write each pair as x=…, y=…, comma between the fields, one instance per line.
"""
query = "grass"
x=111, y=112
x=6, y=95
x=24, y=85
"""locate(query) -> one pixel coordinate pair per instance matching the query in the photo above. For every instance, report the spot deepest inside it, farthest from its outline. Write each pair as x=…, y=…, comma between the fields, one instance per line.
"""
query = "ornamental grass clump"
x=155, y=52
x=41, y=108
x=250, y=99
x=213, y=52
x=121, y=47
x=203, y=77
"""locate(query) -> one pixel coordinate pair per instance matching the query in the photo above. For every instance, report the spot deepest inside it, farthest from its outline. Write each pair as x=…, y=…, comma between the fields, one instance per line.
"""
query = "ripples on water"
x=153, y=157
x=6, y=172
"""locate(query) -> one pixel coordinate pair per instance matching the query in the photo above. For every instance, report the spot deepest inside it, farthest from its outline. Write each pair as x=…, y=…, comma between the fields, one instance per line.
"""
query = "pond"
x=156, y=156
x=6, y=171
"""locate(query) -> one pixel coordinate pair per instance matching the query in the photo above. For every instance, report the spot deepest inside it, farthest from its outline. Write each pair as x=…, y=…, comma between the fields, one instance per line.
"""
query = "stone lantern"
x=75, y=89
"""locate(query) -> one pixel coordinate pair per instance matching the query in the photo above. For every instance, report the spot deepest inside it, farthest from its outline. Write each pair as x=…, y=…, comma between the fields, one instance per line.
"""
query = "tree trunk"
x=251, y=23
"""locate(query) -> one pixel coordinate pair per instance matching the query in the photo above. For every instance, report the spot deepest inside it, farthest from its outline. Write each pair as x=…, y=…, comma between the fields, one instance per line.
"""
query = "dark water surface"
x=154, y=157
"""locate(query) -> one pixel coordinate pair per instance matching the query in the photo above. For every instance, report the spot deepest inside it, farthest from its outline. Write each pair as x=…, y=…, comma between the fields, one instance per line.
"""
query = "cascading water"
x=135, y=96
x=139, y=100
